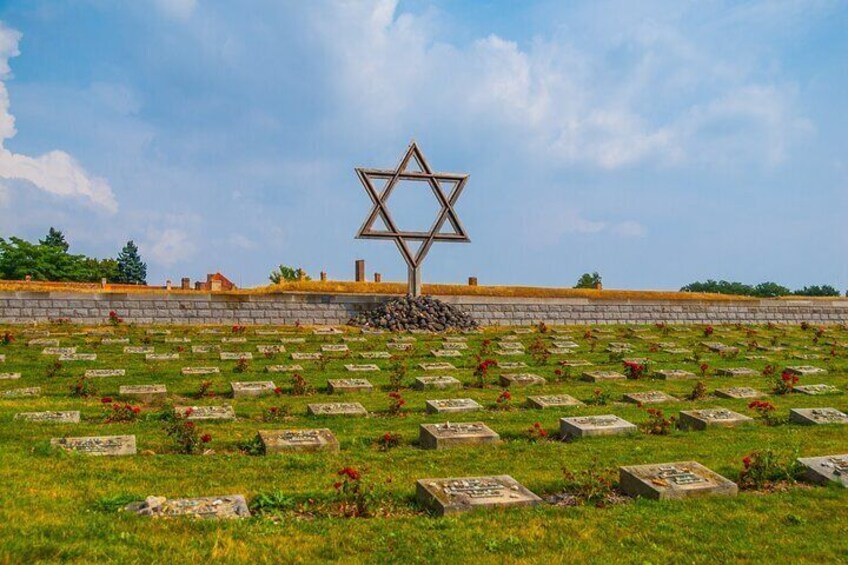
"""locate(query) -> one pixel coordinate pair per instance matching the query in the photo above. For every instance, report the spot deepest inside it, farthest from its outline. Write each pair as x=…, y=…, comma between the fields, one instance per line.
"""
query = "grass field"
x=65, y=507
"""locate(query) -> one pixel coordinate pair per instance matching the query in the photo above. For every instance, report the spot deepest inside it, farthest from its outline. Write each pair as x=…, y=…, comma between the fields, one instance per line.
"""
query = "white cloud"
x=177, y=9
x=629, y=229
x=240, y=241
x=55, y=172
x=168, y=247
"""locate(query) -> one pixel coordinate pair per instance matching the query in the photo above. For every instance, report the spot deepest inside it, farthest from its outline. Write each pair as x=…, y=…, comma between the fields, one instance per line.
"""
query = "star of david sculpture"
x=446, y=188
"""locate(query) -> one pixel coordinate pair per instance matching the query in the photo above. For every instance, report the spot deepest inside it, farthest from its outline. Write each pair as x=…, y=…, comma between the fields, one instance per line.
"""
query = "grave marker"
x=826, y=469
x=22, y=392
x=454, y=495
x=674, y=374
x=521, y=379
x=337, y=386
x=147, y=394
x=450, y=405
x=710, y=417
x=97, y=445
x=437, y=382
x=649, y=397
x=103, y=373
x=70, y=417
x=552, y=401
x=449, y=435
x=200, y=370
x=336, y=409
x=810, y=416
x=816, y=390
x=587, y=426
x=252, y=389
x=738, y=392
x=278, y=441
x=673, y=481
x=210, y=507
x=205, y=412
x=598, y=376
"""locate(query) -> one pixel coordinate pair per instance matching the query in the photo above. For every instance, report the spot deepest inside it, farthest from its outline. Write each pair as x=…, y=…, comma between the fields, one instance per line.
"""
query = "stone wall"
x=334, y=309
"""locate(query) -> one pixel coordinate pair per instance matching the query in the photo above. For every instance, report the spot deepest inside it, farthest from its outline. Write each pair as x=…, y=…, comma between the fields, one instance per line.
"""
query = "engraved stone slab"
x=711, y=417
x=454, y=345
x=521, y=379
x=456, y=339
x=673, y=481
x=449, y=405
x=267, y=332
x=437, y=366
x=454, y=495
x=363, y=368
x=70, y=417
x=597, y=376
x=102, y=373
x=337, y=386
x=161, y=356
x=277, y=441
x=78, y=357
x=283, y=368
x=512, y=365
x=306, y=356
x=354, y=339
x=337, y=409
x=97, y=445
x=815, y=390
x=738, y=392
x=235, y=355
x=270, y=349
x=677, y=350
x=114, y=340
x=717, y=346
x=292, y=340
x=736, y=372
x=445, y=353
x=148, y=394
x=552, y=401
x=44, y=341
x=158, y=332
x=439, y=382
x=448, y=435
x=138, y=350
x=335, y=348
x=209, y=507
x=802, y=370
x=399, y=346
x=508, y=352
x=822, y=470
x=327, y=331
x=205, y=348
x=177, y=340
x=9, y=376
x=21, y=392
x=649, y=397
x=58, y=350
x=205, y=412
x=575, y=363
x=375, y=355
x=200, y=370
x=510, y=345
x=674, y=374
x=565, y=345
x=252, y=388
x=560, y=351
x=233, y=340
x=586, y=426
x=817, y=416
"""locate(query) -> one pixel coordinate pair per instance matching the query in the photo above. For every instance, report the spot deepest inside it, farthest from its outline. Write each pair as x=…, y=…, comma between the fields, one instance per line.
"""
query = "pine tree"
x=55, y=238
x=131, y=269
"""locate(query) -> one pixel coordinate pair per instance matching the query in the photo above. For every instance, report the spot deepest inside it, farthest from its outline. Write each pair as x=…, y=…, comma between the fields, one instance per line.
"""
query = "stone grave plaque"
x=270, y=349
x=597, y=376
x=306, y=356
x=455, y=339
x=235, y=355
x=738, y=392
x=375, y=355
x=114, y=340
x=802, y=370
x=511, y=345
x=619, y=347
x=354, y=339
x=575, y=363
x=565, y=344
x=138, y=349
x=399, y=346
x=511, y=365
x=78, y=357
x=277, y=441
x=205, y=348
x=449, y=405
x=58, y=350
x=161, y=356
x=716, y=346
x=292, y=340
x=9, y=376
x=560, y=351
x=404, y=339
x=522, y=331
x=454, y=495
x=243, y=389
x=210, y=331
x=817, y=416
x=448, y=435
x=283, y=368
x=337, y=386
x=445, y=353
x=737, y=372
x=97, y=445
x=69, y=417
x=200, y=370
x=454, y=346
x=439, y=382
x=267, y=332
x=649, y=397
x=22, y=392
x=209, y=507
x=102, y=373
x=177, y=340
x=205, y=412
x=816, y=390
x=327, y=331
x=586, y=426
x=673, y=481
x=335, y=348
x=674, y=374
x=710, y=417
x=147, y=394
x=336, y=409
x=552, y=401
x=509, y=352
x=158, y=332
x=437, y=366
x=233, y=340
x=44, y=342
x=521, y=379
x=677, y=350
x=823, y=470
x=361, y=368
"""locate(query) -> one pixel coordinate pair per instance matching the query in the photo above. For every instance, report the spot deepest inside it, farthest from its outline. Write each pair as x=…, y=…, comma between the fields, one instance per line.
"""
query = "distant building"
x=215, y=282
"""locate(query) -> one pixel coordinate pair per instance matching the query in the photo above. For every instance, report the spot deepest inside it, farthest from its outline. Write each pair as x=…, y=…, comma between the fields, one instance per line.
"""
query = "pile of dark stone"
x=408, y=313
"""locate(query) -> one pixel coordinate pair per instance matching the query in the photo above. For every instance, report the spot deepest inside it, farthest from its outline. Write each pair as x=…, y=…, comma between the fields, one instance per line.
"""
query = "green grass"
x=63, y=507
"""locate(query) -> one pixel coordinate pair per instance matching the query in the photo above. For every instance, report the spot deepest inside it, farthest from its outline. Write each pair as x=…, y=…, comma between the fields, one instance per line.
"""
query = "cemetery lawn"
x=60, y=507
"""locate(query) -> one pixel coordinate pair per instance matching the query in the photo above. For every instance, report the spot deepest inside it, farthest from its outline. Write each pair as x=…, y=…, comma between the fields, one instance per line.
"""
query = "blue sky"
x=655, y=142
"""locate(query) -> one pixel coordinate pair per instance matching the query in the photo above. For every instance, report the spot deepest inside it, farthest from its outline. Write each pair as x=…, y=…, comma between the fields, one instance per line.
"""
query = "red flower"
x=746, y=461
x=136, y=409
x=189, y=425
x=188, y=412
x=350, y=473
x=337, y=485
x=278, y=391
x=206, y=438
x=104, y=400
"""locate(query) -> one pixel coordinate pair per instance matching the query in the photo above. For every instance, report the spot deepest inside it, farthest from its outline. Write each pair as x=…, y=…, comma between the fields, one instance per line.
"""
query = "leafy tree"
x=55, y=238
x=770, y=290
x=131, y=269
x=816, y=290
x=43, y=262
x=587, y=280
x=286, y=273
x=720, y=287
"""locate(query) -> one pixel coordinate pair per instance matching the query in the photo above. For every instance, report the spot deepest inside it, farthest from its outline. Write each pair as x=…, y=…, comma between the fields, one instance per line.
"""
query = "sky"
x=657, y=143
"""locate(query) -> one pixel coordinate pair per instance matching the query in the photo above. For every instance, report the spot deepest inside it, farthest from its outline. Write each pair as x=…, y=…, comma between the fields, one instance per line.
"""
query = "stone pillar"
x=323, y=276
x=185, y=283
x=360, y=270
x=103, y=283
x=168, y=285
x=414, y=285
x=378, y=277
x=472, y=281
